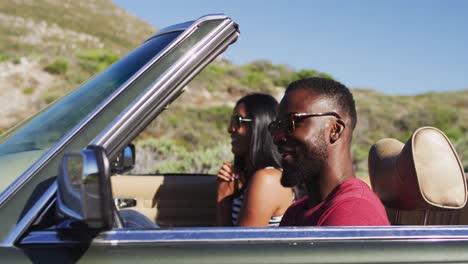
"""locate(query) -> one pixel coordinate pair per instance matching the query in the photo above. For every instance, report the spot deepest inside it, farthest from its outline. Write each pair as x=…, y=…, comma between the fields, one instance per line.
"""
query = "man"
x=313, y=132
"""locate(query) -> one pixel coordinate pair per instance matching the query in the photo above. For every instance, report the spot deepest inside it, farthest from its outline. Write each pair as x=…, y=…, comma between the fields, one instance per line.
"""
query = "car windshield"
x=27, y=142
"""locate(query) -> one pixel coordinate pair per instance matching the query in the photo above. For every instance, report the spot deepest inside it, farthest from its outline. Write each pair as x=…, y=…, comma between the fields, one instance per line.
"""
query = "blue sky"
x=396, y=47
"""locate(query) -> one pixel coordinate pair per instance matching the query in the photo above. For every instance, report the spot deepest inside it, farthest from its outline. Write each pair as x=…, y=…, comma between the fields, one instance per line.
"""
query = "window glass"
x=27, y=142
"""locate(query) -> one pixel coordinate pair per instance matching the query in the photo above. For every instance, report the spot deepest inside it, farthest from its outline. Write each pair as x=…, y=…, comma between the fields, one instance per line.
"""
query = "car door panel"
x=170, y=200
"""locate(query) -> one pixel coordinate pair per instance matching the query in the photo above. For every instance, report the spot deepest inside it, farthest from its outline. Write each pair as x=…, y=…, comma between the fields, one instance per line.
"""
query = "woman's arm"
x=224, y=203
x=264, y=198
x=226, y=188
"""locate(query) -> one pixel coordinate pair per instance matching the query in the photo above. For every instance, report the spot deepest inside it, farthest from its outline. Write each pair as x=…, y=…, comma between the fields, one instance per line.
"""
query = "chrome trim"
x=30, y=216
x=273, y=235
x=426, y=216
x=163, y=90
x=170, y=29
x=184, y=25
x=19, y=182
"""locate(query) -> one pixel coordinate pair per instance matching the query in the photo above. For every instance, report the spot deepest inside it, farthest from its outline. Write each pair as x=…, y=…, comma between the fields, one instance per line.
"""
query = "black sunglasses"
x=288, y=124
x=237, y=120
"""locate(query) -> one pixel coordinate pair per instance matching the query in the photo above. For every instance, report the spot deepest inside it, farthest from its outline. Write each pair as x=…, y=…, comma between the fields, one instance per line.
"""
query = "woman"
x=249, y=191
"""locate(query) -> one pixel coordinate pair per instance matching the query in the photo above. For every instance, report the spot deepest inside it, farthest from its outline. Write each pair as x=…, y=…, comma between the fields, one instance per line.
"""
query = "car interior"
x=420, y=182
x=168, y=200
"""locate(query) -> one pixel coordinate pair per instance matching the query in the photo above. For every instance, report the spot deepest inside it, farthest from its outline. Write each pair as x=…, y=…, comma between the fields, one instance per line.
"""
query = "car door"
x=255, y=245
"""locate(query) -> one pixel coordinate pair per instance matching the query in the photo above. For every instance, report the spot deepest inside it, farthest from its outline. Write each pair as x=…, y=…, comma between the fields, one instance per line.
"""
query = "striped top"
x=236, y=205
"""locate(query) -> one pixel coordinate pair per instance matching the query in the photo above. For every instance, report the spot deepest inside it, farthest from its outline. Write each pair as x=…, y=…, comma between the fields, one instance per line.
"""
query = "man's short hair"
x=329, y=89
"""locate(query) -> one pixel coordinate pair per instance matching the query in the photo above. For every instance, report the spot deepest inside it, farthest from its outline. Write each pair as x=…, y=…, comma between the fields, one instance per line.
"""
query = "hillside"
x=61, y=27
x=48, y=47
x=46, y=44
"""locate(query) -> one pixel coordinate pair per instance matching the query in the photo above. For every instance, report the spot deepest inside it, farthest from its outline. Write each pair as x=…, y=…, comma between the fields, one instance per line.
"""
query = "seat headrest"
x=424, y=173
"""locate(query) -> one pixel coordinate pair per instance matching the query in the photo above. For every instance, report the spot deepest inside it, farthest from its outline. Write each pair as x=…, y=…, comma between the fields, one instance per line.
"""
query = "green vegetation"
x=165, y=155
x=59, y=66
x=67, y=26
x=192, y=128
x=5, y=57
x=51, y=95
x=258, y=76
x=381, y=116
x=94, y=61
x=28, y=90
x=286, y=79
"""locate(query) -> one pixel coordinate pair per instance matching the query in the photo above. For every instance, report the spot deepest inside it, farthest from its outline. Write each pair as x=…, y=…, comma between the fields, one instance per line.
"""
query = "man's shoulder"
x=354, y=204
x=355, y=188
x=291, y=214
x=358, y=193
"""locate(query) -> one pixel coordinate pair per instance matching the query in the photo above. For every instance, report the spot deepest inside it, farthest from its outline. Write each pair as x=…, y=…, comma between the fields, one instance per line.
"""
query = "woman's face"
x=240, y=130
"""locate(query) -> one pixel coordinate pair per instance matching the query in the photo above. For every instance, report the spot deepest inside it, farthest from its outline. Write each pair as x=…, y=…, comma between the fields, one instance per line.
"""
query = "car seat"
x=421, y=176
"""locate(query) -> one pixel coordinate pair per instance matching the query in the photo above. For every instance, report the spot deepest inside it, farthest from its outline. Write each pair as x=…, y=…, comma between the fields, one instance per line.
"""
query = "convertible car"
x=65, y=196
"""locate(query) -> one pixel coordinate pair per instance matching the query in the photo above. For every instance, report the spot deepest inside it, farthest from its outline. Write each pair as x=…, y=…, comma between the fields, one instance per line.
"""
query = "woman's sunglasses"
x=237, y=120
x=288, y=124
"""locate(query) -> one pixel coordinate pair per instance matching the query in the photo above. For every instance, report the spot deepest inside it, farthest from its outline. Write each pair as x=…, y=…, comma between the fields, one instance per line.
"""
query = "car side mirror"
x=84, y=193
x=125, y=161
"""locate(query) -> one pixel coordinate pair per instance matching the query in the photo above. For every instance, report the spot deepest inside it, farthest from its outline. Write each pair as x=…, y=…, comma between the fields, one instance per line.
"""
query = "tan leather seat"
x=423, y=174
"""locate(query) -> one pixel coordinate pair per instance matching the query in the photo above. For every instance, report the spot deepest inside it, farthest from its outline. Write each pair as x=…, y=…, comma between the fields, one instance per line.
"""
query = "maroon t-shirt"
x=352, y=203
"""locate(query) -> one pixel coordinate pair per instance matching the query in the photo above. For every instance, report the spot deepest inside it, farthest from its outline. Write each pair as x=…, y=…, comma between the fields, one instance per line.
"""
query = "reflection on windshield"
x=25, y=144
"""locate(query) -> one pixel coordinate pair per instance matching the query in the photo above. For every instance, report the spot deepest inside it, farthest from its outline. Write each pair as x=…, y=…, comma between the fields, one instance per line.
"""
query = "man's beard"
x=308, y=167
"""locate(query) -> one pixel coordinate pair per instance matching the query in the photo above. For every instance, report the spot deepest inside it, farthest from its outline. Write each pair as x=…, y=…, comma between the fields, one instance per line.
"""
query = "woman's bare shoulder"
x=269, y=174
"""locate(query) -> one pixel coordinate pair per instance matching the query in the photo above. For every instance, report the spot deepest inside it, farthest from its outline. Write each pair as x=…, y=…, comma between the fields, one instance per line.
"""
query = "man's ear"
x=337, y=130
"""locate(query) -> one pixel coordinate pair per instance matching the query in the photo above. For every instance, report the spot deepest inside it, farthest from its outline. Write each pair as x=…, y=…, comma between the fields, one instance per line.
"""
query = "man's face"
x=304, y=151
